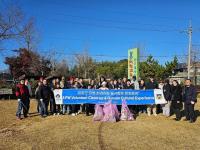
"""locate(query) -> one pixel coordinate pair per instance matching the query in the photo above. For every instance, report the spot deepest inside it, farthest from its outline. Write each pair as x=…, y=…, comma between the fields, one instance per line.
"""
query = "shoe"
x=155, y=114
x=192, y=121
x=54, y=114
x=73, y=114
x=176, y=119
x=149, y=114
x=19, y=118
x=185, y=120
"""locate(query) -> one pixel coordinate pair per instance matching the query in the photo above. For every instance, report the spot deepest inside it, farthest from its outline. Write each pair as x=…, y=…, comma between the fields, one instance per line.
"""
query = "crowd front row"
x=177, y=97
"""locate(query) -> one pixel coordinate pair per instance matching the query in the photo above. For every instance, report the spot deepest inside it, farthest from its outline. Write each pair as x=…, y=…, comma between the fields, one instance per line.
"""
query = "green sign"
x=133, y=63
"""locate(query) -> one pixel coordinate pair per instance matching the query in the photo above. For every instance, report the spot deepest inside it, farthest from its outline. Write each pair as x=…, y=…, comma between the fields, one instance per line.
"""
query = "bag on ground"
x=98, y=115
x=126, y=115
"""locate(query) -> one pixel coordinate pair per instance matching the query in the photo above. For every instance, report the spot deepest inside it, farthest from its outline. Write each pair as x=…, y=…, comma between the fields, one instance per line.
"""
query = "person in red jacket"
x=22, y=94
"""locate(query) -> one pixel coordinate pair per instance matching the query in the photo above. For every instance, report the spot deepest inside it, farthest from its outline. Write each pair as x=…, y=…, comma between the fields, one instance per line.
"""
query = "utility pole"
x=189, y=48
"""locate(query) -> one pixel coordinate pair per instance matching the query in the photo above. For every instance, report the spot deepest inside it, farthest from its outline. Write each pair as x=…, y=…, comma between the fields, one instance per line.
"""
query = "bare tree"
x=14, y=25
x=85, y=65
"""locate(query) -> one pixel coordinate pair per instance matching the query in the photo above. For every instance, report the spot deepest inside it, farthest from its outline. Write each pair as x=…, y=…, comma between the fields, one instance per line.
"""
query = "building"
x=180, y=73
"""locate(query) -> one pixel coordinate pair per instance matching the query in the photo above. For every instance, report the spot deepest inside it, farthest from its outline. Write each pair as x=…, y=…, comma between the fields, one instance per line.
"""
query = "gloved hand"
x=19, y=100
x=41, y=100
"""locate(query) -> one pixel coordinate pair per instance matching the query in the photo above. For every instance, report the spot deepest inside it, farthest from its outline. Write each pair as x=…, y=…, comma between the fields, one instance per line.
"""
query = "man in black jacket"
x=189, y=98
x=151, y=85
x=167, y=95
x=45, y=94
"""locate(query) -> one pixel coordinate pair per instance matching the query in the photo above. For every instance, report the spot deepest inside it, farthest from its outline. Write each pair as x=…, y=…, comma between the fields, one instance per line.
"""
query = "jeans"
x=44, y=107
x=52, y=105
x=22, y=106
x=65, y=108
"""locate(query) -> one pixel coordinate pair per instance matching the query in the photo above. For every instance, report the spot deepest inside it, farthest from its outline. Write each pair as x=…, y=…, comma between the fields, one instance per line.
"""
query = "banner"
x=91, y=96
x=133, y=63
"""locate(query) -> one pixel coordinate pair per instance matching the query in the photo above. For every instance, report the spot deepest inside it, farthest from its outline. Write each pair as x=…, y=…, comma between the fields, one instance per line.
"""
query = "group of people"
x=176, y=96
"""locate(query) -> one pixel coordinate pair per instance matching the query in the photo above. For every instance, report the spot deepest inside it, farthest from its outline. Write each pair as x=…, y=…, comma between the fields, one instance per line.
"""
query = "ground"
x=81, y=133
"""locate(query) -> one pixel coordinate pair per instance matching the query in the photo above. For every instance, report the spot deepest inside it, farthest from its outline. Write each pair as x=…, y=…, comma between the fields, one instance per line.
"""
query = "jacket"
x=176, y=93
x=189, y=94
x=45, y=92
x=167, y=92
x=22, y=92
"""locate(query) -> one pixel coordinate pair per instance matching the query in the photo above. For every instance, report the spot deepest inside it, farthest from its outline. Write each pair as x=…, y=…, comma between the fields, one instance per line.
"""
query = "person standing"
x=189, y=98
x=27, y=83
x=63, y=85
x=45, y=94
x=151, y=85
x=52, y=99
x=111, y=84
x=22, y=94
x=142, y=108
x=135, y=82
x=37, y=96
x=130, y=86
x=167, y=94
x=176, y=99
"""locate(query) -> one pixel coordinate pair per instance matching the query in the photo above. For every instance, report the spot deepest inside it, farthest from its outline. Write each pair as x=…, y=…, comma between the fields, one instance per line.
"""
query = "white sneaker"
x=155, y=114
x=73, y=114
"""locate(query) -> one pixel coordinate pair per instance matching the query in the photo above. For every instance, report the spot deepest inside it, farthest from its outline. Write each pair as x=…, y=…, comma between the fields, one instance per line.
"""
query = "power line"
x=115, y=56
x=115, y=27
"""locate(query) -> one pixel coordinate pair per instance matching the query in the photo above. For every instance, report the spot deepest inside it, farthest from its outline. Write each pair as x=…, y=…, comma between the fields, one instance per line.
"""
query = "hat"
x=103, y=83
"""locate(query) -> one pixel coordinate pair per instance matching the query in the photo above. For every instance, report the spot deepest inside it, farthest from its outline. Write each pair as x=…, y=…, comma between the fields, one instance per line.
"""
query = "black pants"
x=189, y=111
x=176, y=109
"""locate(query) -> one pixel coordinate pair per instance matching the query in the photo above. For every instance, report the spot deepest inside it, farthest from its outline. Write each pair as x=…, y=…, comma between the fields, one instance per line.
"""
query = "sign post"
x=133, y=63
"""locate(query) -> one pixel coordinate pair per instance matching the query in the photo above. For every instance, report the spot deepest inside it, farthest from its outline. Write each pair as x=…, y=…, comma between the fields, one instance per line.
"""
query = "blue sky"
x=110, y=27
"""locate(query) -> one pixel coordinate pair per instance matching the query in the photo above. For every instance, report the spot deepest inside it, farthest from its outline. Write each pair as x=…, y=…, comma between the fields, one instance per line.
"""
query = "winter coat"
x=189, y=94
x=167, y=92
x=22, y=92
x=45, y=92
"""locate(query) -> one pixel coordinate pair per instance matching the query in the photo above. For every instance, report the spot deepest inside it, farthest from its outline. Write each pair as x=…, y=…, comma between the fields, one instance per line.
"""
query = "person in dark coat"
x=133, y=108
x=167, y=94
x=142, y=108
x=111, y=85
x=176, y=99
x=151, y=85
x=22, y=94
x=189, y=98
x=37, y=96
x=45, y=94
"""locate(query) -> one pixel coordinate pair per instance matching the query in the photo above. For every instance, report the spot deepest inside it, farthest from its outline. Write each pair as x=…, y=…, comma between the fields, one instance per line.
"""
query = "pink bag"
x=126, y=115
x=98, y=115
x=111, y=113
x=117, y=114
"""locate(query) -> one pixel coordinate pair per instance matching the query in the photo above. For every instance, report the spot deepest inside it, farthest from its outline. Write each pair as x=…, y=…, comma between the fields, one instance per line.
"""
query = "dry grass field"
x=81, y=133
